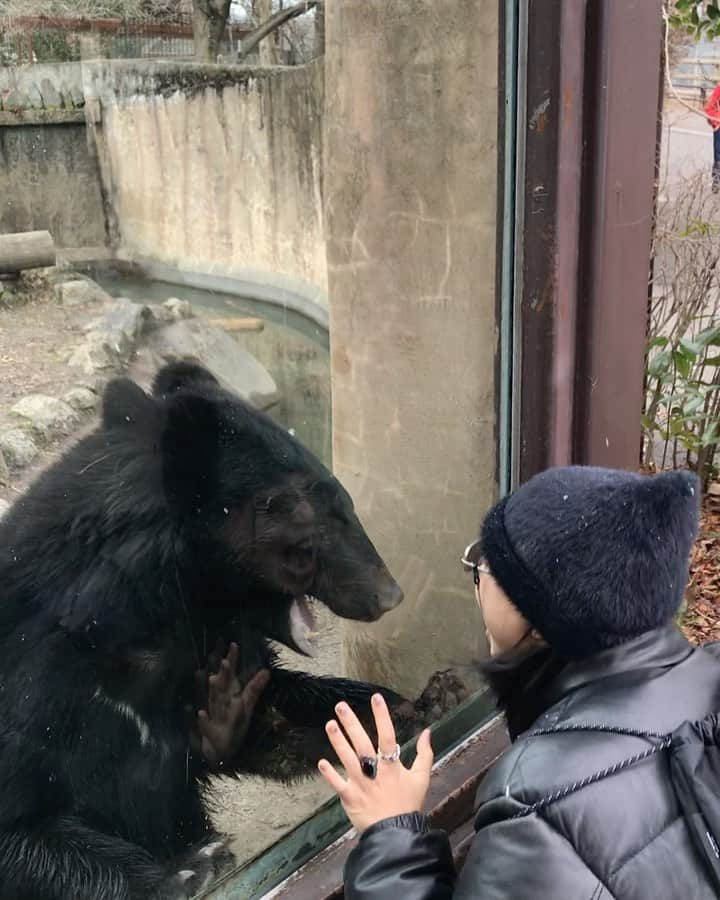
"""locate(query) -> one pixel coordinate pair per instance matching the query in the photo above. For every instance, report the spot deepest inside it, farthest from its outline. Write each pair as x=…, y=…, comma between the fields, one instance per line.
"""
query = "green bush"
x=681, y=419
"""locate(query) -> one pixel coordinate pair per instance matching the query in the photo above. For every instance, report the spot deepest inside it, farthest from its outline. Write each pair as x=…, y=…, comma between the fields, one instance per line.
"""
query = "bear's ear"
x=180, y=374
x=124, y=403
x=190, y=445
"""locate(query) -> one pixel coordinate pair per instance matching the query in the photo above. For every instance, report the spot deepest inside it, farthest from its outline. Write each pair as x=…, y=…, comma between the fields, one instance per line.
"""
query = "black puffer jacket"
x=622, y=838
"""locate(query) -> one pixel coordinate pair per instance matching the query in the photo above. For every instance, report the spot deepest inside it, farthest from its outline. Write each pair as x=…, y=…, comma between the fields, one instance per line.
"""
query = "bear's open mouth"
x=302, y=625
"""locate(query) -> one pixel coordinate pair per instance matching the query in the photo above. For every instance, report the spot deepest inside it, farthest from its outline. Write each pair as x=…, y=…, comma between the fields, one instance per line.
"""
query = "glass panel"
x=301, y=236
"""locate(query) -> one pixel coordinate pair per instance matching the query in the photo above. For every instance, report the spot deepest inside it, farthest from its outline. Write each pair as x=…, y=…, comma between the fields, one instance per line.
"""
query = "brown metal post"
x=593, y=75
x=553, y=172
x=624, y=55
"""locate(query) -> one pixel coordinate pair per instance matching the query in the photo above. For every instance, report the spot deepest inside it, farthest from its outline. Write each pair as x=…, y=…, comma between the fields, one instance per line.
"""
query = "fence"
x=43, y=39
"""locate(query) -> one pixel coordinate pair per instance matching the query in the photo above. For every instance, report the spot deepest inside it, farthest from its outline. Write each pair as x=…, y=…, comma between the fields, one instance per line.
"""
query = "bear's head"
x=262, y=523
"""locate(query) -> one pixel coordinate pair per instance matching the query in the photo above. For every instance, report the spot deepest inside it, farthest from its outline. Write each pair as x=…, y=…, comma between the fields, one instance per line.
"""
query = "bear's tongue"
x=302, y=626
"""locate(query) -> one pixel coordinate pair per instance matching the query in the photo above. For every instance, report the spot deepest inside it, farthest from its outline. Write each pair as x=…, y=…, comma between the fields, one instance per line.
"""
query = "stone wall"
x=410, y=183
x=41, y=86
x=207, y=169
x=214, y=169
x=50, y=180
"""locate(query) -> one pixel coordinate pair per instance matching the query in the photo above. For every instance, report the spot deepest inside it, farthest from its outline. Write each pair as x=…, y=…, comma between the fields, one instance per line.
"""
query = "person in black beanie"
x=579, y=574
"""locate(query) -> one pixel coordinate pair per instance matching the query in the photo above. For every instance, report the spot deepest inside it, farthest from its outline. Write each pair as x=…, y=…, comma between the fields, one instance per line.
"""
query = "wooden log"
x=26, y=250
x=242, y=324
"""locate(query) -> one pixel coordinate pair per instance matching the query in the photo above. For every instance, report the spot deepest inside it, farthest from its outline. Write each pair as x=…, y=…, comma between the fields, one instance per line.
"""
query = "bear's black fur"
x=185, y=517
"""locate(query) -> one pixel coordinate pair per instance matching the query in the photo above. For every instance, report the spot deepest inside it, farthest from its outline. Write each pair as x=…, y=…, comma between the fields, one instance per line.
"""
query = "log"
x=243, y=324
x=26, y=250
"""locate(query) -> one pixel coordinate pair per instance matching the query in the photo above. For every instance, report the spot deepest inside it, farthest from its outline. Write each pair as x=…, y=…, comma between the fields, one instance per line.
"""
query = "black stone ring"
x=369, y=766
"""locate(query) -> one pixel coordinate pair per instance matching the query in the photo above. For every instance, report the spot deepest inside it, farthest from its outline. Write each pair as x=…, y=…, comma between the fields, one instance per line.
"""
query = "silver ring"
x=390, y=757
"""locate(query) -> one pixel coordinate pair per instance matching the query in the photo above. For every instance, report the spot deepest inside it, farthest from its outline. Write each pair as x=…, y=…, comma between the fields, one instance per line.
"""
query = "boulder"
x=82, y=399
x=18, y=448
x=50, y=94
x=35, y=97
x=4, y=471
x=93, y=355
x=80, y=292
x=46, y=416
x=212, y=347
x=122, y=325
x=16, y=100
x=77, y=97
x=110, y=340
x=4, y=507
x=178, y=309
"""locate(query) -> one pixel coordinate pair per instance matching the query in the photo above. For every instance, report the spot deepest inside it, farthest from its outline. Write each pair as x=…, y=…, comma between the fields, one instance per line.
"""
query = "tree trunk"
x=26, y=250
x=268, y=57
x=209, y=21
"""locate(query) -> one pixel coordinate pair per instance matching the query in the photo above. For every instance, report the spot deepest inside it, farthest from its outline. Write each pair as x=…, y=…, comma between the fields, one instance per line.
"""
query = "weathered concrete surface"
x=42, y=85
x=410, y=186
x=213, y=169
x=50, y=181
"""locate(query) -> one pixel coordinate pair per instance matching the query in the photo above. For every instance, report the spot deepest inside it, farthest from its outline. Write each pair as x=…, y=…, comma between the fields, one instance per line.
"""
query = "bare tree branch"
x=273, y=23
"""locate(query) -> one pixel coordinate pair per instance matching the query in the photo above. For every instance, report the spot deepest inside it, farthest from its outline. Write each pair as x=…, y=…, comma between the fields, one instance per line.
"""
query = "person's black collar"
x=657, y=649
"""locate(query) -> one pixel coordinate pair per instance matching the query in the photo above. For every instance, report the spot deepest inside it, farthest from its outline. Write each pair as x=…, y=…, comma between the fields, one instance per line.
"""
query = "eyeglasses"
x=472, y=561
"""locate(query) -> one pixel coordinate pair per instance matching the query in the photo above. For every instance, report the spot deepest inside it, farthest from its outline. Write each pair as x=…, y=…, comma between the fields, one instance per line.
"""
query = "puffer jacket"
x=623, y=837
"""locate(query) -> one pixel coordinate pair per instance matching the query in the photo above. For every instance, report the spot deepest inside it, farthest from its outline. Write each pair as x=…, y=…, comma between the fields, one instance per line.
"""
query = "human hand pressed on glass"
x=220, y=729
x=395, y=790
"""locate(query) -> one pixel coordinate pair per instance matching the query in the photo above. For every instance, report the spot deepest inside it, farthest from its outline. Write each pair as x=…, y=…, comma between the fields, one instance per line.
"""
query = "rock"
x=50, y=94
x=16, y=100
x=35, y=97
x=173, y=310
x=18, y=448
x=77, y=97
x=212, y=347
x=81, y=292
x=93, y=356
x=179, y=309
x=4, y=471
x=47, y=416
x=82, y=399
x=122, y=325
x=4, y=508
x=110, y=340
x=8, y=297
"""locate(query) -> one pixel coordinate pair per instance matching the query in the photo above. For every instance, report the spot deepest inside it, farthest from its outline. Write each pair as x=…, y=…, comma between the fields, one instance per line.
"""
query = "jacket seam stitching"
x=526, y=742
x=577, y=853
x=644, y=847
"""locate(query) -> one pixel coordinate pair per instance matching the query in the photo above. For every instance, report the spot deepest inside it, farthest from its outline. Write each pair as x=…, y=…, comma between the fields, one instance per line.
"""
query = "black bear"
x=184, y=518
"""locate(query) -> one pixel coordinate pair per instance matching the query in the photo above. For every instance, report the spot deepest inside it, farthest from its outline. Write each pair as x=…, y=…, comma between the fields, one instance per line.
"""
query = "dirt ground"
x=700, y=620
x=35, y=339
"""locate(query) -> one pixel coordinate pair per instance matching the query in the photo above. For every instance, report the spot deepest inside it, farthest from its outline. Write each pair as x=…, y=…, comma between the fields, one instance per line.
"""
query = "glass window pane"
x=301, y=236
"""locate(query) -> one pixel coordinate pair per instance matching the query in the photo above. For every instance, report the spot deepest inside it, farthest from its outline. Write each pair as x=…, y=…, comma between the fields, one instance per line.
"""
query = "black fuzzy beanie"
x=594, y=557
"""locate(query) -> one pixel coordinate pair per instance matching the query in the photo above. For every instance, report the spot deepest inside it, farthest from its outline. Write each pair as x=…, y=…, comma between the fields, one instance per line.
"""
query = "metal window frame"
x=593, y=93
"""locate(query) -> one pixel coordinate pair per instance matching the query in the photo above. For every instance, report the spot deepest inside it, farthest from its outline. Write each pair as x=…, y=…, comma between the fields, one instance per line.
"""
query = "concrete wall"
x=214, y=169
x=411, y=227
x=49, y=180
x=43, y=85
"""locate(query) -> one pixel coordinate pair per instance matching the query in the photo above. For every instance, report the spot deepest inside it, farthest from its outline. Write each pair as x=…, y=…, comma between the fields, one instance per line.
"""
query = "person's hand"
x=223, y=726
x=395, y=790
